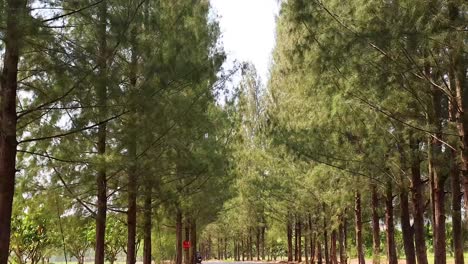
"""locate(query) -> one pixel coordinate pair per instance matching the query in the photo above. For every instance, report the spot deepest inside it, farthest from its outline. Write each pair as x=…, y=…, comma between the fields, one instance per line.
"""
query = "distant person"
x=198, y=258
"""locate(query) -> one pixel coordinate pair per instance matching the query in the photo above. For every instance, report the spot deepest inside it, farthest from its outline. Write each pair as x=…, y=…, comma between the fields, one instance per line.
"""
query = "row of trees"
x=362, y=122
x=111, y=137
x=109, y=128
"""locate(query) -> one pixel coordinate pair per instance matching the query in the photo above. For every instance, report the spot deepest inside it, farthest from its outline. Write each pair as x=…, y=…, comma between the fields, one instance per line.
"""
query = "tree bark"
x=319, y=253
x=391, y=245
x=358, y=223
x=457, y=230
x=210, y=247
x=193, y=240
x=235, y=251
x=258, y=243
x=15, y=9
x=220, y=255
x=432, y=200
x=325, y=241
x=102, y=135
x=375, y=226
x=178, y=237
x=341, y=243
x=418, y=202
x=334, y=258
x=439, y=230
x=290, y=247
x=250, y=245
x=345, y=235
x=457, y=109
x=225, y=240
x=459, y=83
x=306, y=244
x=408, y=237
x=147, y=226
x=312, y=248
x=299, y=238
x=243, y=250
x=187, y=238
x=312, y=241
x=436, y=160
x=132, y=183
x=263, y=242
x=296, y=242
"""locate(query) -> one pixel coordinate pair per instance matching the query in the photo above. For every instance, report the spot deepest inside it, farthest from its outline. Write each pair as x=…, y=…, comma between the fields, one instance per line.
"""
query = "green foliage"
x=32, y=233
x=78, y=235
x=116, y=238
x=352, y=85
x=162, y=121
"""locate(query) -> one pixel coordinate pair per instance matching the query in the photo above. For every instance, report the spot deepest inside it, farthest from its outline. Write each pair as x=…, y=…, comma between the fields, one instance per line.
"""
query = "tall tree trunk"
x=417, y=189
x=132, y=153
x=193, y=240
x=325, y=241
x=243, y=249
x=459, y=83
x=457, y=230
x=407, y=231
x=299, y=238
x=375, y=226
x=187, y=238
x=296, y=241
x=341, y=243
x=312, y=241
x=319, y=253
x=250, y=245
x=8, y=90
x=210, y=247
x=225, y=248
x=263, y=242
x=147, y=228
x=432, y=200
x=334, y=259
x=436, y=160
x=358, y=223
x=391, y=245
x=235, y=251
x=345, y=235
x=148, y=216
x=290, y=233
x=220, y=241
x=306, y=244
x=312, y=248
x=457, y=108
x=258, y=243
x=408, y=237
x=102, y=134
x=178, y=237
x=439, y=230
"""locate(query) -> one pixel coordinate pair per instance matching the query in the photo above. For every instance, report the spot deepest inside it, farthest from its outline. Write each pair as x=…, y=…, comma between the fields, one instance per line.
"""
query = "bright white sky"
x=248, y=30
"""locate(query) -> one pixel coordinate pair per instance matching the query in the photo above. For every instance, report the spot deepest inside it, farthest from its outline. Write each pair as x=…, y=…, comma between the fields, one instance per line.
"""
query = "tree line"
x=110, y=128
x=357, y=146
x=113, y=134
